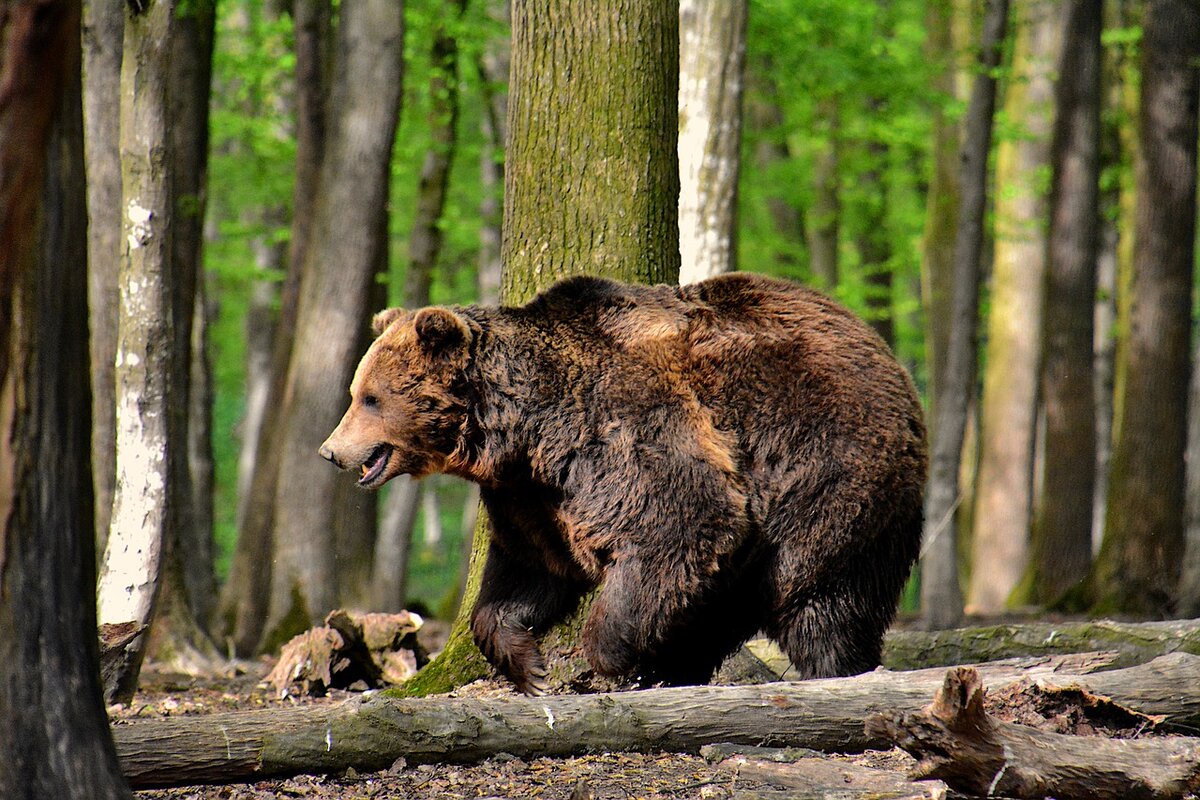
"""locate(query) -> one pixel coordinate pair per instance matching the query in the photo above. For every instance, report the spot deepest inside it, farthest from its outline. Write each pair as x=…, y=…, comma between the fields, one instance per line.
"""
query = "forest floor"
x=605, y=776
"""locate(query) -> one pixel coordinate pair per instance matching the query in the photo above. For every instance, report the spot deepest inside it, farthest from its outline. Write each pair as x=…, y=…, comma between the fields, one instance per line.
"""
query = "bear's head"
x=407, y=399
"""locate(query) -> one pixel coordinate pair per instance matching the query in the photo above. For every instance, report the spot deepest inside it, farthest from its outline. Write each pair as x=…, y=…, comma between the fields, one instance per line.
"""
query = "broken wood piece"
x=955, y=740
x=376, y=649
x=370, y=733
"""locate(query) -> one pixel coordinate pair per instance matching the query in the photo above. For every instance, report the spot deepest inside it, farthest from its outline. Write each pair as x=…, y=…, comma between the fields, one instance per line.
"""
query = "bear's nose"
x=328, y=454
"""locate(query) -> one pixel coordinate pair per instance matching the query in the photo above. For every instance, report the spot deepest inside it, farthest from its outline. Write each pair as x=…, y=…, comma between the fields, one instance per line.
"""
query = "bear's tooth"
x=364, y=469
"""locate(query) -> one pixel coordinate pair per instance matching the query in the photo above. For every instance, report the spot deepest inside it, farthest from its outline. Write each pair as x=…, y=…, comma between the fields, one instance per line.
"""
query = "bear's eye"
x=371, y=401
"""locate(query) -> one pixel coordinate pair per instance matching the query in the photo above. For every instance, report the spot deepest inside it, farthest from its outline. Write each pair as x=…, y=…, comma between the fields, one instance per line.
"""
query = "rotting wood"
x=827, y=778
x=372, y=732
x=955, y=740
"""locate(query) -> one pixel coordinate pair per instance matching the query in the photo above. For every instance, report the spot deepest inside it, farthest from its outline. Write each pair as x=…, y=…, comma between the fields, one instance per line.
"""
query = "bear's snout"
x=327, y=453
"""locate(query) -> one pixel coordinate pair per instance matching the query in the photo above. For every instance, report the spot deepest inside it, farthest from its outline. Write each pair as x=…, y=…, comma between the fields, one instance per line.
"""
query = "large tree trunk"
x=1139, y=562
x=55, y=735
x=371, y=733
x=712, y=59
x=339, y=265
x=941, y=597
x=591, y=184
x=1062, y=532
x=243, y=602
x=1008, y=405
x=103, y=26
x=394, y=541
x=145, y=366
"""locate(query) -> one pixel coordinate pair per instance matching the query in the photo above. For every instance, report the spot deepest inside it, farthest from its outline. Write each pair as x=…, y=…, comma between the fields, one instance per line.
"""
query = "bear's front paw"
x=513, y=651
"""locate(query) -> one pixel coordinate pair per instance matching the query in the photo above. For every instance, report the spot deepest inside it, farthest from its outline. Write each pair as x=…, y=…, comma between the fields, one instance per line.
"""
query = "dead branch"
x=955, y=740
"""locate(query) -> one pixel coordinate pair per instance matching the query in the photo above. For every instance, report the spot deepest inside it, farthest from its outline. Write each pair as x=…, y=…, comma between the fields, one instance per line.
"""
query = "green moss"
x=457, y=665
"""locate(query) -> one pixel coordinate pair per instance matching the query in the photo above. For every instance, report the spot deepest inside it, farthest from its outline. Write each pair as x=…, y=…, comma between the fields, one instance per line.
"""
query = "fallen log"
x=826, y=778
x=955, y=740
x=1135, y=642
x=370, y=733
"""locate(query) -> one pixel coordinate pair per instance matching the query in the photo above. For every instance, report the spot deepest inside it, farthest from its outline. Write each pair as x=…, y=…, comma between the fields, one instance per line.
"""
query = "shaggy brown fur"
x=733, y=456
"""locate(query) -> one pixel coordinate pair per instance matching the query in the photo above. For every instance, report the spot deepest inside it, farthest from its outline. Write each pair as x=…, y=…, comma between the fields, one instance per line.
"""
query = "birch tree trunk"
x=591, y=184
x=103, y=26
x=129, y=576
x=941, y=596
x=1008, y=405
x=712, y=60
x=55, y=735
x=1061, y=542
x=394, y=542
x=339, y=266
x=1139, y=563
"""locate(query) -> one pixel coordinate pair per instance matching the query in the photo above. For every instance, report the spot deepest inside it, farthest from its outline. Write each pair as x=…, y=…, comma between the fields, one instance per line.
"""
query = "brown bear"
x=734, y=456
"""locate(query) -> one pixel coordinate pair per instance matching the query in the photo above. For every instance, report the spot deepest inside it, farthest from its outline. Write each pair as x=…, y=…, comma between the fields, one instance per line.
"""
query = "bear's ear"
x=380, y=322
x=440, y=330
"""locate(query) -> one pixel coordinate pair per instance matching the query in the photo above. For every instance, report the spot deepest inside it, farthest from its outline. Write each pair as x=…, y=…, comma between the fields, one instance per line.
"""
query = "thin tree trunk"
x=493, y=72
x=712, y=60
x=874, y=249
x=103, y=27
x=191, y=81
x=941, y=597
x=340, y=262
x=244, y=604
x=591, y=184
x=393, y=544
x=1008, y=405
x=824, y=216
x=55, y=735
x=1139, y=563
x=941, y=210
x=145, y=366
x=1061, y=546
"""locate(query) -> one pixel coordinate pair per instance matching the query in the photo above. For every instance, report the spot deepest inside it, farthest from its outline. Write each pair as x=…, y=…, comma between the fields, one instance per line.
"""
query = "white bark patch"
x=138, y=225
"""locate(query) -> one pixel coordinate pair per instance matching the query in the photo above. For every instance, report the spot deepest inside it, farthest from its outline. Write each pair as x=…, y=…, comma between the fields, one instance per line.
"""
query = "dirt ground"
x=615, y=776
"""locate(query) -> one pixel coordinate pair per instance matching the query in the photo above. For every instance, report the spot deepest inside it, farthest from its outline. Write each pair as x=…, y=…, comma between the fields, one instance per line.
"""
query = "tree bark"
x=55, y=735
x=145, y=366
x=591, y=186
x=371, y=733
x=394, y=540
x=339, y=265
x=824, y=215
x=492, y=65
x=103, y=32
x=1008, y=404
x=1062, y=533
x=1139, y=563
x=243, y=603
x=941, y=596
x=957, y=741
x=1133, y=643
x=712, y=59
x=942, y=198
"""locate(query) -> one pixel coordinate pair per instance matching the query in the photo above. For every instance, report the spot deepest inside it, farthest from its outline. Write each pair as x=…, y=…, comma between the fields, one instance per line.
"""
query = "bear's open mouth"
x=375, y=464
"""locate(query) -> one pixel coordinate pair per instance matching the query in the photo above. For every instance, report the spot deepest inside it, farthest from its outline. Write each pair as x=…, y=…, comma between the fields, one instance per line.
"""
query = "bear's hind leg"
x=830, y=635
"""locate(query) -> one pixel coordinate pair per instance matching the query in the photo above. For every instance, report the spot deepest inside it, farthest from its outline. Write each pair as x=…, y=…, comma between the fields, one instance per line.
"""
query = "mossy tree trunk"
x=1062, y=531
x=1008, y=405
x=55, y=735
x=1139, y=562
x=591, y=184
